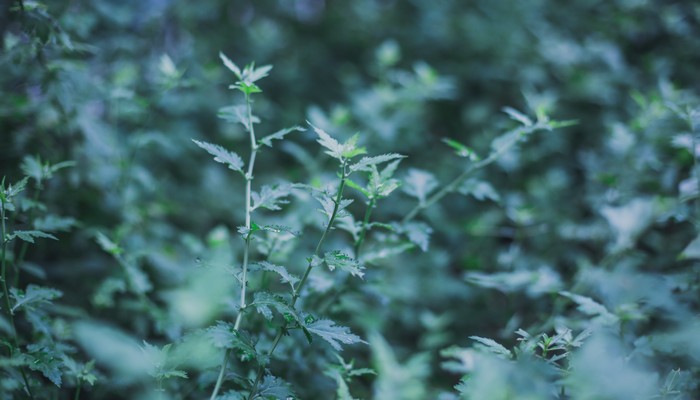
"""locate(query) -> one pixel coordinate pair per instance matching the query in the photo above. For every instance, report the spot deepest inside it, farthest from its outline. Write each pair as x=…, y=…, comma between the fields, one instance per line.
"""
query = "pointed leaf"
x=419, y=184
x=279, y=135
x=271, y=197
x=222, y=155
x=333, y=334
x=230, y=65
x=33, y=295
x=285, y=276
x=365, y=163
x=28, y=236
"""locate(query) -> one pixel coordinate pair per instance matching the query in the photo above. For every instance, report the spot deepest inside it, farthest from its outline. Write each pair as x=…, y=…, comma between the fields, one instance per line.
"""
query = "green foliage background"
x=590, y=227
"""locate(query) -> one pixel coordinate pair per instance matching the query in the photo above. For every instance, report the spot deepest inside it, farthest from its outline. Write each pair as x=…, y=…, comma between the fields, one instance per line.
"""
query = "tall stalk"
x=246, y=249
x=6, y=294
x=300, y=286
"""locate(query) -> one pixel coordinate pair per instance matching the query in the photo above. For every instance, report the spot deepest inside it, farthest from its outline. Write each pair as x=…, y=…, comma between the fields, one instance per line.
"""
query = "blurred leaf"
x=333, y=334
x=222, y=155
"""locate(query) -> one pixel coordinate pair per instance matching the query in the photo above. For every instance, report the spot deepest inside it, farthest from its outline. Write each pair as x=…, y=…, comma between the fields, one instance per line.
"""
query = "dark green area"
x=565, y=266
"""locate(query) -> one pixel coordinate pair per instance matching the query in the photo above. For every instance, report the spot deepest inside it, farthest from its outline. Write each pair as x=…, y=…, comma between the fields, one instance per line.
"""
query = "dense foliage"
x=354, y=200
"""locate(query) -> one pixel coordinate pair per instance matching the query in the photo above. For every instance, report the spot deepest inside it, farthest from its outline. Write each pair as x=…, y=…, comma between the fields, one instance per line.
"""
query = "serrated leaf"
x=273, y=388
x=591, y=307
x=28, y=236
x=33, y=295
x=13, y=190
x=222, y=155
x=418, y=233
x=365, y=163
x=264, y=302
x=46, y=360
x=224, y=336
x=479, y=189
x=334, y=148
x=230, y=65
x=493, y=346
x=419, y=184
x=342, y=261
x=285, y=276
x=279, y=135
x=518, y=116
x=333, y=334
x=271, y=197
x=238, y=114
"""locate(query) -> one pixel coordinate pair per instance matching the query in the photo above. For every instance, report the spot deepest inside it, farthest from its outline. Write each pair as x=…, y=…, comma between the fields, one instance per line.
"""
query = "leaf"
x=340, y=260
x=591, y=307
x=479, y=189
x=271, y=197
x=279, y=135
x=333, y=334
x=13, y=190
x=224, y=336
x=419, y=184
x=238, y=114
x=692, y=250
x=264, y=301
x=418, y=233
x=461, y=150
x=493, y=346
x=518, y=116
x=222, y=155
x=285, y=276
x=34, y=295
x=28, y=236
x=53, y=222
x=273, y=388
x=107, y=244
x=328, y=204
x=334, y=148
x=45, y=360
x=230, y=65
x=365, y=163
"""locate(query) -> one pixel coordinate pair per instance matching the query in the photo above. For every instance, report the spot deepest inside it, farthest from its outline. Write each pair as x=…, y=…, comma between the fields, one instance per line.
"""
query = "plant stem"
x=6, y=294
x=363, y=231
x=246, y=249
x=23, y=250
x=297, y=291
x=454, y=184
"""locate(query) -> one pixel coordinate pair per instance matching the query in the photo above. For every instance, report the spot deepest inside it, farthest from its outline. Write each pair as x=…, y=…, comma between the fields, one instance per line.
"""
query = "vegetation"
x=421, y=200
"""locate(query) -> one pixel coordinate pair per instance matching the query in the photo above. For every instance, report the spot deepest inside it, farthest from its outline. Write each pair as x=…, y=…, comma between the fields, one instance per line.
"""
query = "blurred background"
x=604, y=209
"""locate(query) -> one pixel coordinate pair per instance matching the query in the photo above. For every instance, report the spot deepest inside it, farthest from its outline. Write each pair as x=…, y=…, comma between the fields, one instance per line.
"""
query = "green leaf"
x=462, y=150
x=224, y=336
x=418, y=233
x=333, y=334
x=271, y=197
x=222, y=155
x=518, y=116
x=53, y=222
x=13, y=190
x=334, y=148
x=273, y=388
x=342, y=261
x=265, y=301
x=365, y=163
x=419, y=184
x=238, y=114
x=28, y=236
x=591, y=307
x=107, y=244
x=493, y=346
x=279, y=135
x=285, y=276
x=230, y=65
x=47, y=361
x=34, y=295
x=479, y=189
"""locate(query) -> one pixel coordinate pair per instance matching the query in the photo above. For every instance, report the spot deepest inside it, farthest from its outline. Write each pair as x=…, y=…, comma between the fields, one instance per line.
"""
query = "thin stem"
x=6, y=295
x=246, y=250
x=363, y=231
x=77, y=390
x=297, y=290
x=454, y=184
x=23, y=250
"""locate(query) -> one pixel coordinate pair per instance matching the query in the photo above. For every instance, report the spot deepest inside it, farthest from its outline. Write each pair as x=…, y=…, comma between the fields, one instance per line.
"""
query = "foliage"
x=499, y=202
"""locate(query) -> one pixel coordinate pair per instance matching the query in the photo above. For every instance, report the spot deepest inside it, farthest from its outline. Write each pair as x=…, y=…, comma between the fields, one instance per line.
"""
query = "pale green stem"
x=246, y=249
